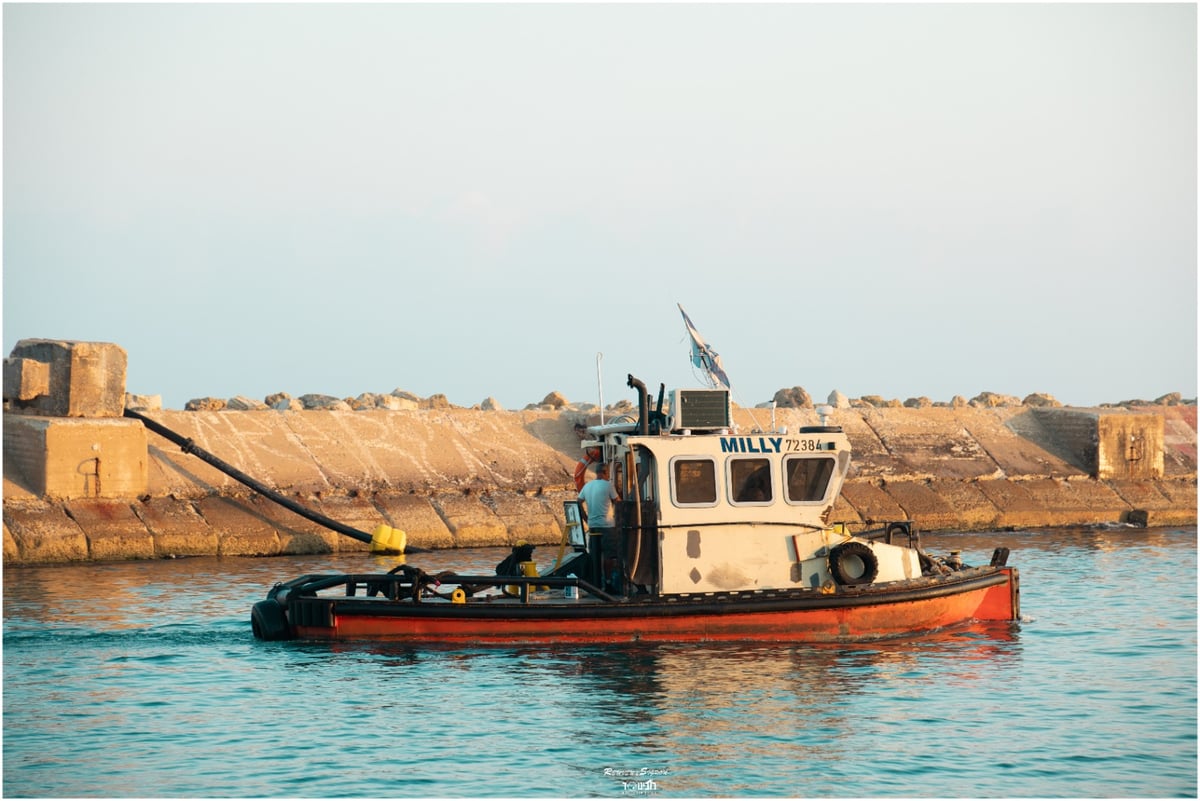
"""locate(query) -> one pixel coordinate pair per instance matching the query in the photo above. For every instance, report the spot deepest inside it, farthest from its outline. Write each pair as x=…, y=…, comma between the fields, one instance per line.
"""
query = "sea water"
x=143, y=679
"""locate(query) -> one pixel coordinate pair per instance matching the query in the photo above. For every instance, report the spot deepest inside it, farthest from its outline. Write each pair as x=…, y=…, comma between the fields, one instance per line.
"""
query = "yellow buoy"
x=385, y=539
x=529, y=570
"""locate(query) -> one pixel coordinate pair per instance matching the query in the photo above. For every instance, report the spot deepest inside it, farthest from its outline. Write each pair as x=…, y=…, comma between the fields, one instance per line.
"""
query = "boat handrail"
x=613, y=428
x=394, y=586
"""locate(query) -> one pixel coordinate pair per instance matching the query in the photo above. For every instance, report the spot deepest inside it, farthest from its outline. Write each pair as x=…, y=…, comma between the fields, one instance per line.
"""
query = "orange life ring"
x=591, y=456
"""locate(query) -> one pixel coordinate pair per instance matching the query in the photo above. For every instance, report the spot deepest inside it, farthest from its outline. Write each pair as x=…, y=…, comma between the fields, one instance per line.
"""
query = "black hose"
x=188, y=446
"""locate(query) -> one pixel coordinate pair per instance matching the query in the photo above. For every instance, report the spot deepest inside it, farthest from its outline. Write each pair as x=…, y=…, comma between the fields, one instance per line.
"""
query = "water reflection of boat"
x=745, y=702
x=721, y=534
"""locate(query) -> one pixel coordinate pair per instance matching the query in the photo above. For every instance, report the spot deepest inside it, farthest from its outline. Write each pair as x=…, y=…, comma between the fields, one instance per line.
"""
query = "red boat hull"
x=988, y=594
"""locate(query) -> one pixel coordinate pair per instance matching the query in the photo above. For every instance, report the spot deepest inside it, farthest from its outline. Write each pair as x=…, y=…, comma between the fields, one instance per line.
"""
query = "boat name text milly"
x=770, y=445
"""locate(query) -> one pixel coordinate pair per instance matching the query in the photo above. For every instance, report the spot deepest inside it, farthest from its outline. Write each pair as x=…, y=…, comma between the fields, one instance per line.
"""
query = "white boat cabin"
x=707, y=508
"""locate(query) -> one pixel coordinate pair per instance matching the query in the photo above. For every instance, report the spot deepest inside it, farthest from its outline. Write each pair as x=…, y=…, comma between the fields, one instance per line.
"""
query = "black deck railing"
x=417, y=586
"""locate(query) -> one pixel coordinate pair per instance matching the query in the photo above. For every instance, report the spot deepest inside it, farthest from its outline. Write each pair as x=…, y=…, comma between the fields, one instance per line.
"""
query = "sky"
x=508, y=200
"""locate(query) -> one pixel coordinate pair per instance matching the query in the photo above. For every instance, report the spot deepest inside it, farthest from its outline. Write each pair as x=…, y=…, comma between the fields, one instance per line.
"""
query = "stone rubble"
x=788, y=398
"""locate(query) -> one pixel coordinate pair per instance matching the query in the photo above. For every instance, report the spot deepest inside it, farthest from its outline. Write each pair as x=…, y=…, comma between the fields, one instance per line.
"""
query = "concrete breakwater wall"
x=464, y=478
x=81, y=482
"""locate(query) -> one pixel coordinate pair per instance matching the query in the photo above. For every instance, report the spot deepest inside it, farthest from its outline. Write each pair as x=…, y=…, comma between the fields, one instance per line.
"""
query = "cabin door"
x=639, y=513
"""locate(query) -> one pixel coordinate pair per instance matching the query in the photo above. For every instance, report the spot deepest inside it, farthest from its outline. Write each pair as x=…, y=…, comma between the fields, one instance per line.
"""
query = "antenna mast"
x=600, y=385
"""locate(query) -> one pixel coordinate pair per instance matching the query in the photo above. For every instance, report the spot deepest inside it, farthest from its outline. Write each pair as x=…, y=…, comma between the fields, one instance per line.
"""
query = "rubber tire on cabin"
x=268, y=621
x=845, y=560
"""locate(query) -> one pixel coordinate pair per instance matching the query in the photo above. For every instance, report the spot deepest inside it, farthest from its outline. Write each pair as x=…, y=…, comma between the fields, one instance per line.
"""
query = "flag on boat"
x=704, y=357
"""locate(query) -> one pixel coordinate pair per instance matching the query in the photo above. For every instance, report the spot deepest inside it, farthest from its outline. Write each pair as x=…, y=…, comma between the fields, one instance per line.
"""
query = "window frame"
x=787, y=484
x=674, y=480
x=730, y=490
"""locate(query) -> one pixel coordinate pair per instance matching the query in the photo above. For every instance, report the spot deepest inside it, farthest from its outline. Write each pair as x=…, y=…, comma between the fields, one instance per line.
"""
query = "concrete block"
x=343, y=544
x=1129, y=446
x=1170, y=517
x=296, y=533
x=114, y=532
x=69, y=458
x=12, y=554
x=1182, y=493
x=1066, y=502
x=1098, y=498
x=300, y=535
x=1040, y=503
x=472, y=524
x=416, y=515
x=1071, y=434
x=1015, y=453
x=1014, y=505
x=1179, y=440
x=972, y=509
x=369, y=451
x=241, y=531
x=526, y=518
x=931, y=441
x=1149, y=503
x=143, y=403
x=177, y=528
x=871, y=502
x=205, y=404
x=1140, y=494
x=25, y=379
x=44, y=533
x=928, y=509
x=86, y=379
x=355, y=510
x=16, y=486
x=240, y=403
x=260, y=444
x=1105, y=445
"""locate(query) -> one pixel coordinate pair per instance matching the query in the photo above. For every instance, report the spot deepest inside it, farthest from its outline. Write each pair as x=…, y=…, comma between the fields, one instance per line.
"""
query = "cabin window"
x=694, y=482
x=807, y=479
x=750, y=480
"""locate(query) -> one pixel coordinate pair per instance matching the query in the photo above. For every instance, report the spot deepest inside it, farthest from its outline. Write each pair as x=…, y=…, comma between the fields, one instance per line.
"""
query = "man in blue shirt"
x=597, y=497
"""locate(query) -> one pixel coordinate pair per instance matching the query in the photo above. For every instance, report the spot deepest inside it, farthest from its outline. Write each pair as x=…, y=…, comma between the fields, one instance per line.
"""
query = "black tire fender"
x=268, y=621
x=853, y=564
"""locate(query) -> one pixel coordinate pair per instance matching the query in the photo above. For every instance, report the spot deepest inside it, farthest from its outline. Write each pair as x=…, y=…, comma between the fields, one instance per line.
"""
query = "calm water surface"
x=144, y=680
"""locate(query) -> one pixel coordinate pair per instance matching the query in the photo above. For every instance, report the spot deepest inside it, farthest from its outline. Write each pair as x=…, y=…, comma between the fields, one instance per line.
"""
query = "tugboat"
x=721, y=535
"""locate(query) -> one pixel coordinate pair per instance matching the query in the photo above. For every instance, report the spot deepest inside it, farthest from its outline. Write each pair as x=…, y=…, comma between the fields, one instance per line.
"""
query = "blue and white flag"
x=704, y=357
